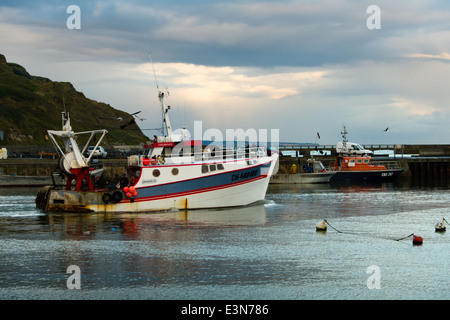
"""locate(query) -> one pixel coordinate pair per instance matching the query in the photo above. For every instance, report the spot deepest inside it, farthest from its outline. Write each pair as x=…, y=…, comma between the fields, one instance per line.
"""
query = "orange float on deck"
x=146, y=161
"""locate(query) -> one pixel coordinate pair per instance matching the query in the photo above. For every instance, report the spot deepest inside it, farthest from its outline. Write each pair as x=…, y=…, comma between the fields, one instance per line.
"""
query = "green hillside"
x=31, y=104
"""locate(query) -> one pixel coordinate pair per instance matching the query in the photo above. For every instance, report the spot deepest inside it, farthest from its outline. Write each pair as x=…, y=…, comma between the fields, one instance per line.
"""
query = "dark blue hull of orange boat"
x=359, y=176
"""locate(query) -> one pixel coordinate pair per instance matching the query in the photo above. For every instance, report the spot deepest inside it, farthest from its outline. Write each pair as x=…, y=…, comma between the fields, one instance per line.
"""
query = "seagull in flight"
x=121, y=118
x=386, y=130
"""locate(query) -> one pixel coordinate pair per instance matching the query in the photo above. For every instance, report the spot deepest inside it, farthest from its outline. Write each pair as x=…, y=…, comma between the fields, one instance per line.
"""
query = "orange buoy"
x=146, y=161
x=417, y=240
x=125, y=189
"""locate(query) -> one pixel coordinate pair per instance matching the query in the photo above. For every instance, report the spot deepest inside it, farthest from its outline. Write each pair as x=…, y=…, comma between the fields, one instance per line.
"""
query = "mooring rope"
x=332, y=226
x=365, y=235
x=404, y=237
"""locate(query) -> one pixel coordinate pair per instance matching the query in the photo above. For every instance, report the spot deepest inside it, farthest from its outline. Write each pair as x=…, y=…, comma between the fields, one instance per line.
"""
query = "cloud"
x=226, y=97
x=442, y=56
x=213, y=83
x=300, y=66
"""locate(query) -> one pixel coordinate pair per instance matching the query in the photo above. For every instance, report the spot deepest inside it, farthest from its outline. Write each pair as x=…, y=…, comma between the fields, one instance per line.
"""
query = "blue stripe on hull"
x=204, y=183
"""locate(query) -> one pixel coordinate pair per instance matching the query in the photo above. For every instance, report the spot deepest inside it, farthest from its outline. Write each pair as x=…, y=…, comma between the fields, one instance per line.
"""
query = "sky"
x=299, y=67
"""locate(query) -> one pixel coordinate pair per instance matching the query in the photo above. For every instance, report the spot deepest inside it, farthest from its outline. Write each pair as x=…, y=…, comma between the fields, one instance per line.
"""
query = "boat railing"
x=227, y=154
x=208, y=154
x=332, y=168
x=389, y=164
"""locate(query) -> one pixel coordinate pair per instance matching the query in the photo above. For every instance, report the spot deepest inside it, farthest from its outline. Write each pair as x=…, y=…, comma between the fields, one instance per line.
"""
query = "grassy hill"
x=31, y=104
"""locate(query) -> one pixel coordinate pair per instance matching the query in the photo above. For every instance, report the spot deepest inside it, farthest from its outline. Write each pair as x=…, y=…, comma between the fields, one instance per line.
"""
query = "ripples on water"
x=266, y=251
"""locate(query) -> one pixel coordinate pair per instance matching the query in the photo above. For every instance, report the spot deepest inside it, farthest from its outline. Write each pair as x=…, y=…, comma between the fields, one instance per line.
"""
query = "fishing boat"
x=313, y=171
x=172, y=174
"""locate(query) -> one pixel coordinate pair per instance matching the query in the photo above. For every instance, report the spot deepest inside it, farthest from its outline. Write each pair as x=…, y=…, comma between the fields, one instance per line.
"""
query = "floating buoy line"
x=321, y=226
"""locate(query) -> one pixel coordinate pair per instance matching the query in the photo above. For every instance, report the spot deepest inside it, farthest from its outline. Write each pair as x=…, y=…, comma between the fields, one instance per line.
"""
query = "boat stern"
x=53, y=200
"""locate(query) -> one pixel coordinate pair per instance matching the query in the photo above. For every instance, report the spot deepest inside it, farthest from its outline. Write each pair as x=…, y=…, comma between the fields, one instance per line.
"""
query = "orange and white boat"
x=352, y=168
x=354, y=164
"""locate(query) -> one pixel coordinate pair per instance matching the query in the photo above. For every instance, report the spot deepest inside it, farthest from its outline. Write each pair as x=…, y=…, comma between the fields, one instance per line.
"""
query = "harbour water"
x=268, y=251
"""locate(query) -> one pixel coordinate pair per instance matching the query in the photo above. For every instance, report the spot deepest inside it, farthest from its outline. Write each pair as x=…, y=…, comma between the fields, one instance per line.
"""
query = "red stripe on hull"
x=202, y=190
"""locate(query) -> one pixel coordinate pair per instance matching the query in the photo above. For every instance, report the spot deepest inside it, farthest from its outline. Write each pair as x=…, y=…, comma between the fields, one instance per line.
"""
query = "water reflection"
x=266, y=251
x=141, y=225
x=321, y=201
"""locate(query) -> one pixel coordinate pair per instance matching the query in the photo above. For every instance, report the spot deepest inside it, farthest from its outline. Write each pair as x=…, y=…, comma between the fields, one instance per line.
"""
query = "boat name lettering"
x=244, y=175
x=149, y=181
x=387, y=174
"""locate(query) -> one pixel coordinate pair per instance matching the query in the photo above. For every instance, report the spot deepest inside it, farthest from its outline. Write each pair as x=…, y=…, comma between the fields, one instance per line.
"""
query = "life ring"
x=117, y=196
x=106, y=198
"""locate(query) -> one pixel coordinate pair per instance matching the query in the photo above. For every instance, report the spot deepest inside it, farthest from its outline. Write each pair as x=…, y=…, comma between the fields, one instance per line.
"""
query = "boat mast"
x=345, y=140
x=165, y=112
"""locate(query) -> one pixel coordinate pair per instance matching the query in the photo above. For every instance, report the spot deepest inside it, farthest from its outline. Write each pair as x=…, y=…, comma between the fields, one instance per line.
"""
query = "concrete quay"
x=22, y=172
x=415, y=168
x=418, y=161
x=418, y=150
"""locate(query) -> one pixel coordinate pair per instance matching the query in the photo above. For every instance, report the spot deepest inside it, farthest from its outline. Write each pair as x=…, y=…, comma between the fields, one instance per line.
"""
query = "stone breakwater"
x=23, y=172
x=416, y=168
x=37, y=172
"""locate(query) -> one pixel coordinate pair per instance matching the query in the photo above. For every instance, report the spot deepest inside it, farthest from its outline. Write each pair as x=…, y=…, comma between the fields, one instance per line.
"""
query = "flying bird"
x=128, y=124
x=112, y=118
x=121, y=118
x=386, y=130
x=133, y=115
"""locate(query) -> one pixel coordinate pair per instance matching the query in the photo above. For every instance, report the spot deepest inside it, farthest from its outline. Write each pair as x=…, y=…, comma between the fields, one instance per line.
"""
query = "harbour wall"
x=431, y=169
x=421, y=161
x=23, y=172
x=419, y=150
x=429, y=162
x=14, y=171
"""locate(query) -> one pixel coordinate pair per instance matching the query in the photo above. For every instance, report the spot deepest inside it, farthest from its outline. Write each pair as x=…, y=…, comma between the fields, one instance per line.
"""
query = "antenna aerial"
x=64, y=104
x=153, y=68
